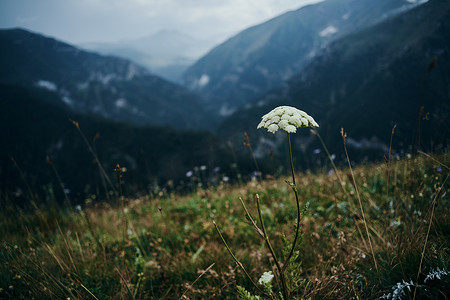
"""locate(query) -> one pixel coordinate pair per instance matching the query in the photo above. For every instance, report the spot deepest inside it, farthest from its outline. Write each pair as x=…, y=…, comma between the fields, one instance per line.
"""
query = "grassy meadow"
x=165, y=246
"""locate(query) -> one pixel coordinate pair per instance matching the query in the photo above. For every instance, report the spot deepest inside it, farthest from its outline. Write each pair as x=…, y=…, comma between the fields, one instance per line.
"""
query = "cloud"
x=109, y=20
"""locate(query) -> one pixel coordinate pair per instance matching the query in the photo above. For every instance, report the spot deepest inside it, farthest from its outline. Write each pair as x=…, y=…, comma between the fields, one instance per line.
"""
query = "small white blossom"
x=266, y=277
x=395, y=223
x=287, y=118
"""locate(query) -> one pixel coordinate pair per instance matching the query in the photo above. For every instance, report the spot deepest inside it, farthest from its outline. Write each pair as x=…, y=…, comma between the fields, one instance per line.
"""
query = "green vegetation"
x=166, y=247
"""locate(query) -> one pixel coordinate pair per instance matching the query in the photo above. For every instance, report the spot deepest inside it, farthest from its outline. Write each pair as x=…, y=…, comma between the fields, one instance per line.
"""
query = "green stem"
x=290, y=158
x=298, y=208
x=249, y=216
x=272, y=252
x=240, y=265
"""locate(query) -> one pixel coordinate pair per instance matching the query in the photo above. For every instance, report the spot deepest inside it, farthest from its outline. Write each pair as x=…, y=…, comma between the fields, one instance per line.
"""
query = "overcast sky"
x=79, y=21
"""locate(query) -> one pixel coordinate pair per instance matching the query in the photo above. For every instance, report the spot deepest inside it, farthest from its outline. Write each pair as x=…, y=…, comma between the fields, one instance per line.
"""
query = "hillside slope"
x=370, y=81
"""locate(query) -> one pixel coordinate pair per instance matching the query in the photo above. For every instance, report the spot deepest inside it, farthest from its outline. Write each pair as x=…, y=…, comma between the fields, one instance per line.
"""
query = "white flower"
x=266, y=277
x=287, y=118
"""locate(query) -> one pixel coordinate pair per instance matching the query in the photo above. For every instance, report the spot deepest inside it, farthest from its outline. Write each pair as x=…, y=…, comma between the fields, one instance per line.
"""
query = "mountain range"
x=395, y=73
x=262, y=57
x=90, y=83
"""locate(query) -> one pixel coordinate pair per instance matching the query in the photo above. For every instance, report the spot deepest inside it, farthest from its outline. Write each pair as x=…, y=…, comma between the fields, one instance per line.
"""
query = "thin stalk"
x=344, y=137
x=272, y=252
x=102, y=178
x=61, y=184
x=234, y=165
x=426, y=238
x=200, y=276
x=138, y=240
x=336, y=171
x=122, y=199
x=290, y=158
x=240, y=265
x=88, y=291
x=259, y=231
x=130, y=294
x=388, y=161
x=316, y=133
x=433, y=159
x=247, y=144
x=94, y=236
x=431, y=66
x=69, y=253
x=24, y=179
x=102, y=170
x=294, y=188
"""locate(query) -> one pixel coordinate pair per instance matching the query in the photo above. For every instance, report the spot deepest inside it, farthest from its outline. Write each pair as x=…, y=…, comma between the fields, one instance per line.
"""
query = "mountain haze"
x=167, y=53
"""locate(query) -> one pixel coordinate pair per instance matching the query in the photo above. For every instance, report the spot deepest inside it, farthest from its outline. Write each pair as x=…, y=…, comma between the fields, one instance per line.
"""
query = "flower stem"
x=294, y=188
x=272, y=252
x=290, y=158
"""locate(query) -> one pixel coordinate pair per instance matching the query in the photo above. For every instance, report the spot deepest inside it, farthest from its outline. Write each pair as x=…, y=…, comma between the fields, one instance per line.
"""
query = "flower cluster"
x=266, y=277
x=287, y=118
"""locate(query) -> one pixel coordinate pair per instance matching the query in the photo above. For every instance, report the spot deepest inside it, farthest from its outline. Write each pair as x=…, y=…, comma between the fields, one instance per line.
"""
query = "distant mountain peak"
x=167, y=52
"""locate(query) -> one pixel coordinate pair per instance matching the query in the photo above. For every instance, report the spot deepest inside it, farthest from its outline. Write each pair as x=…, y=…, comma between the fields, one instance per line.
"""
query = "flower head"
x=266, y=277
x=287, y=118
